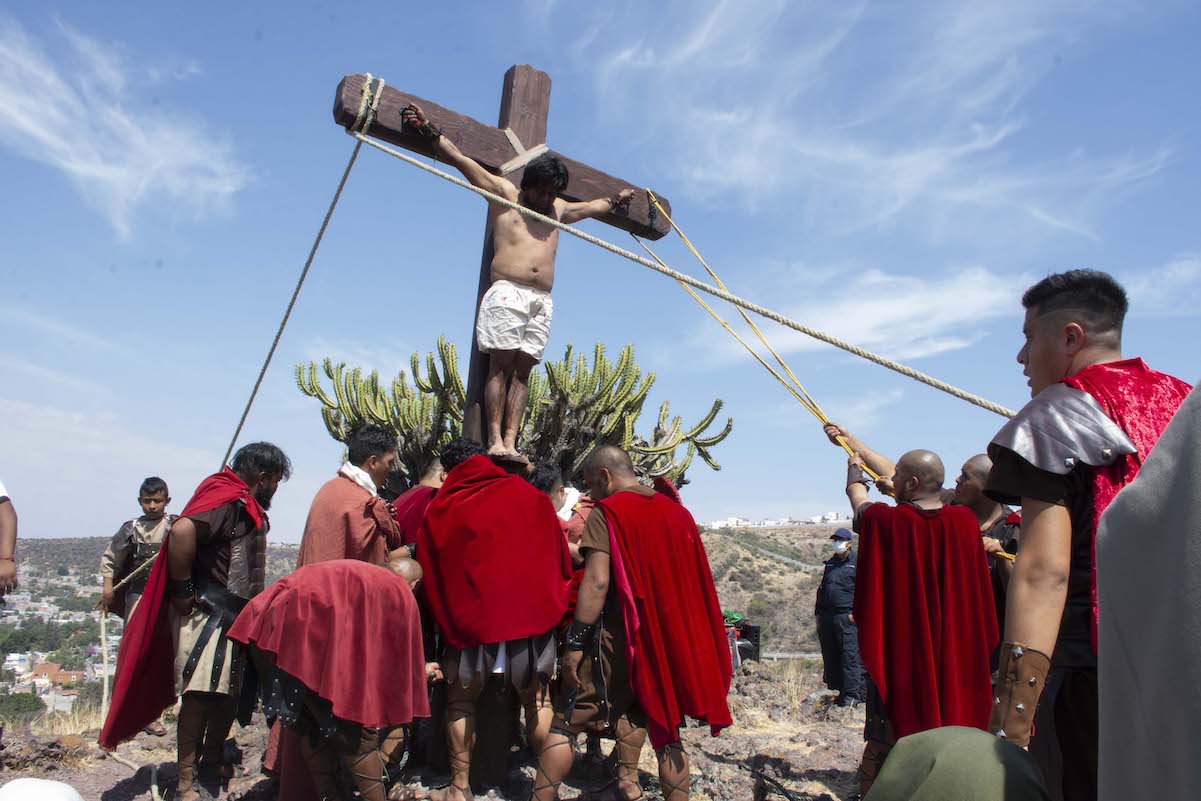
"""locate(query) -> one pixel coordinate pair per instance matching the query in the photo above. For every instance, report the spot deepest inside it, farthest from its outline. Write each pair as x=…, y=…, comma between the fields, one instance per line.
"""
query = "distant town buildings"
x=781, y=522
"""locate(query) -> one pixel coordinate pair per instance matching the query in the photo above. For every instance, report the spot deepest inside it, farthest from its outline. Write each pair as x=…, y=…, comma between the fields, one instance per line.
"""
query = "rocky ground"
x=787, y=742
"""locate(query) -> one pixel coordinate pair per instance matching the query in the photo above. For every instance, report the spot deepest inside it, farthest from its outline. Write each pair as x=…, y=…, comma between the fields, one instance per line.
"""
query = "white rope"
x=367, y=109
x=863, y=353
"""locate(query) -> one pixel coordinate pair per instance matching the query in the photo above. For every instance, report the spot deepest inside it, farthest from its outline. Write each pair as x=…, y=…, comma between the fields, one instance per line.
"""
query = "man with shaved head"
x=1000, y=528
x=636, y=667
x=1093, y=417
x=924, y=607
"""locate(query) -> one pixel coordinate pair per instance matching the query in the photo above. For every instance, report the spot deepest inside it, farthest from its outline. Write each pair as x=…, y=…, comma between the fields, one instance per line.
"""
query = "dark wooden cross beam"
x=519, y=135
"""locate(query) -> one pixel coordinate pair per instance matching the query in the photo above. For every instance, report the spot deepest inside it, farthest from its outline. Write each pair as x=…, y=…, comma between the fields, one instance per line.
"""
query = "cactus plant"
x=573, y=407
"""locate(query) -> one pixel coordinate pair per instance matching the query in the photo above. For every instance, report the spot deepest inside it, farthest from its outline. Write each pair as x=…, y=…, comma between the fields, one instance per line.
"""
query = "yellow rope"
x=807, y=401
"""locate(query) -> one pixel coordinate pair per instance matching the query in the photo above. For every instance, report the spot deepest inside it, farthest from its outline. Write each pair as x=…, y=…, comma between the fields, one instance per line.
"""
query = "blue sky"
x=893, y=173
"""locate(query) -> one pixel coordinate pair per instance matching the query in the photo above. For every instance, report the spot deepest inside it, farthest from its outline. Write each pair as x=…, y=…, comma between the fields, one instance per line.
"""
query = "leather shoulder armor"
x=1062, y=426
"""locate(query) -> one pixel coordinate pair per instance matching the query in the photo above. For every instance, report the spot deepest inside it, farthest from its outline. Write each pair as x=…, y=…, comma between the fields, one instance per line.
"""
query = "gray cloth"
x=957, y=764
x=1149, y=592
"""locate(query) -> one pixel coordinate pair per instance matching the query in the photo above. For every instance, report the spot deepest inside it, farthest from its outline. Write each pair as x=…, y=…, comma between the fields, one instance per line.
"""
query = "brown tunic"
x=595, y=711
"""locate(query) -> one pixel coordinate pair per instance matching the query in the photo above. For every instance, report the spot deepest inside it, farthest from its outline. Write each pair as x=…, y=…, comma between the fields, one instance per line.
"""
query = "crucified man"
x=514, y=317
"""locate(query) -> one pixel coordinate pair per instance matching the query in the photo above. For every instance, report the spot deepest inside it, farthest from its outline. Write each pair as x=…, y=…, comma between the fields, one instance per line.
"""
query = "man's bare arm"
x=446, y=150
x=573, y=212
x=1038, y=586
x=594, y=588
x=8, y=546
x=880, y=465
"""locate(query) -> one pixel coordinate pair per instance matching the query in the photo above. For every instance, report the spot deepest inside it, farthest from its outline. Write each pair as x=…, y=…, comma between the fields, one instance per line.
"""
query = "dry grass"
x=59, y=724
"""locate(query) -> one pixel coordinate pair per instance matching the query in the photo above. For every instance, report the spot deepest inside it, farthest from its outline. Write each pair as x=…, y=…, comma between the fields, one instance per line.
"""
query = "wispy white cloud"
x=1170, y=289
x=388, y=357
x=77, y=111
x=43, y=374
x=53, y=328
x=858, y=116
x=108, y=462
x=899, y=316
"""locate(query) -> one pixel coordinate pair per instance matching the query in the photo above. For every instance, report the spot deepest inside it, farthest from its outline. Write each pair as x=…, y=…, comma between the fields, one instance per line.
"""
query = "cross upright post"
x=519, y=137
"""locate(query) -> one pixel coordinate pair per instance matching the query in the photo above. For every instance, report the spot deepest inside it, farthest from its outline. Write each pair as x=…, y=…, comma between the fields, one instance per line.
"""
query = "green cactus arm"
x=709, y=442
x=707, y=420
x=704, y=454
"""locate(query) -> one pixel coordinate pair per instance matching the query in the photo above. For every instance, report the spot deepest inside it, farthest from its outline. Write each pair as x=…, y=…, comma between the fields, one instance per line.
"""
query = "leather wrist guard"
x=1020, y=680
x=579, y=636
x=183, y=588
x=855, y=475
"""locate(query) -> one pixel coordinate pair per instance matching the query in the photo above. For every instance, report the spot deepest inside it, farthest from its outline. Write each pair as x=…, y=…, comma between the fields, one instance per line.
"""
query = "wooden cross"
x=518, y=138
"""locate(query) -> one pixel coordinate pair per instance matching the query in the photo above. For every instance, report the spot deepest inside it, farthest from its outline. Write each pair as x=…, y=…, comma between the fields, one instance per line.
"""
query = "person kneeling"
x=315, y=639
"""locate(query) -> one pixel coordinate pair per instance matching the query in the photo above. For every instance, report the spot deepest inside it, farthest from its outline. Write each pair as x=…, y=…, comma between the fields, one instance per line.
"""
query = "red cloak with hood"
x=1142, y=402
x=323, y=626
x=924, y=608
x=495, y=559
x=144, y=684
x=677, y=651
x=410, y=511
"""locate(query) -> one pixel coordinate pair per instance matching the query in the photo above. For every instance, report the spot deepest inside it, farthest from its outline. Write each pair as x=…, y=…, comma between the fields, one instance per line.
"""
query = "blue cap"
x=842, y=534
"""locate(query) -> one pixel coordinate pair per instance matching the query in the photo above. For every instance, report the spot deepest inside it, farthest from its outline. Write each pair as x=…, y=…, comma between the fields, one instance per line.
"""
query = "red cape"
x=322, y=624
x=144, y=684
x=679, y=657
x=495, y=559
x=1140, y=400
x=926, y=618
x=410, y=511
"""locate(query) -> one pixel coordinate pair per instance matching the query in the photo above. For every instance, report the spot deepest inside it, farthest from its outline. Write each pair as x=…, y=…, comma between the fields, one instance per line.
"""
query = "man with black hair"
x=135, y=543
x=348, y=519
x=1092, y=419
x=515, y=314
x=496, y=572
x=410, y=507
x=213, y=561
x=1000, y=528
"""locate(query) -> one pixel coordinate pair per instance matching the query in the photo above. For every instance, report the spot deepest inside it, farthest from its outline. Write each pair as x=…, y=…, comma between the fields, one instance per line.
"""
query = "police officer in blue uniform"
x=836, y=629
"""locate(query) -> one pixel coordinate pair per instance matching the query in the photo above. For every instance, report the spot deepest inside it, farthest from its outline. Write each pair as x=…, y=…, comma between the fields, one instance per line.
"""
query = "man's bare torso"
x=524, y=248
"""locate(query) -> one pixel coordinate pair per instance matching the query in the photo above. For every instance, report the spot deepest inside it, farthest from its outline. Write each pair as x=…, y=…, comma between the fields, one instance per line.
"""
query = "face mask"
x=842, y=546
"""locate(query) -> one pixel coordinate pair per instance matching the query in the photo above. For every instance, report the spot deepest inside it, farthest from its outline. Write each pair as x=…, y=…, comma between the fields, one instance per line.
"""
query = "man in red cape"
x=411, y=505
x=347, y=520
x=496, y=571
x=650, y=624
x=212, y=562
x=924, y=608
x=1093, y=418
x=330, y=674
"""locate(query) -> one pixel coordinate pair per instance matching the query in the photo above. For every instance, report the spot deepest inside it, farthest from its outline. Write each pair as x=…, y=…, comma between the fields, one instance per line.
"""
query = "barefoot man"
x=514, y=318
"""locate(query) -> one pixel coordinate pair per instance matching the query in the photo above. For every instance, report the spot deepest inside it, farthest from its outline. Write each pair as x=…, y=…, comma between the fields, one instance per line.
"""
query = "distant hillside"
x=80, y=557
x=769, y=575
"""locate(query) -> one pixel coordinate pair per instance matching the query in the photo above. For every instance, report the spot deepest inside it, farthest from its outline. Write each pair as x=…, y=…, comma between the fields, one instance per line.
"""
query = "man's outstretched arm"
x=880, y=465
x=446, y=150
x=573, y=212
